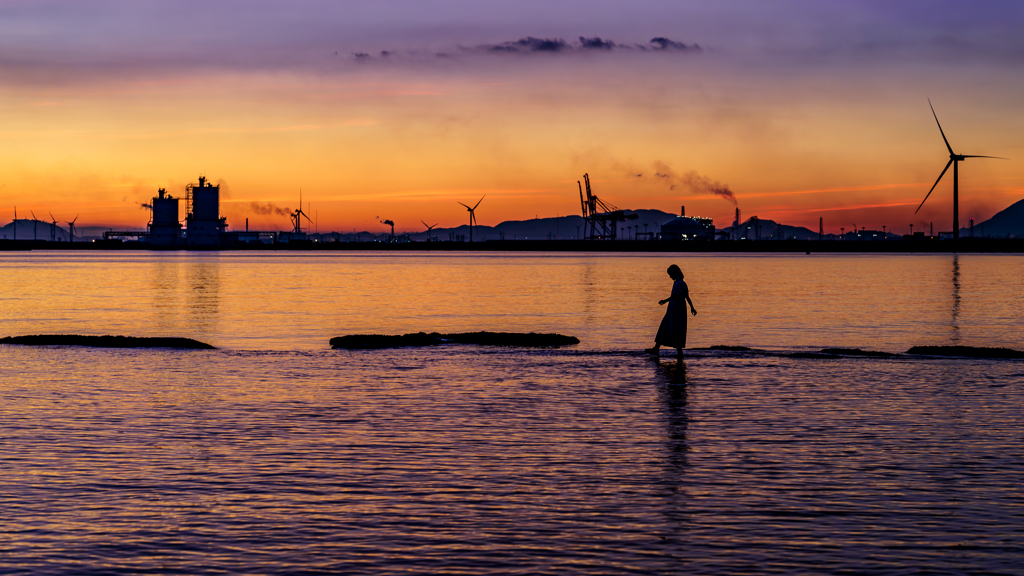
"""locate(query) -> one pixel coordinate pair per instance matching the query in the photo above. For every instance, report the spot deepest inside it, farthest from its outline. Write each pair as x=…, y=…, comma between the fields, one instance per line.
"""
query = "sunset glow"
x=819, y=114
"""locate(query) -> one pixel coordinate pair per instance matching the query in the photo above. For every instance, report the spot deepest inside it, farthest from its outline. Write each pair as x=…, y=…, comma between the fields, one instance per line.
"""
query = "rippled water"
x=274, y=454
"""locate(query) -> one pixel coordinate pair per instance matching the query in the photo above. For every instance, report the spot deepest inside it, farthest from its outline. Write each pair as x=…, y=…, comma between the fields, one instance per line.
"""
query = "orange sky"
x=850, y=140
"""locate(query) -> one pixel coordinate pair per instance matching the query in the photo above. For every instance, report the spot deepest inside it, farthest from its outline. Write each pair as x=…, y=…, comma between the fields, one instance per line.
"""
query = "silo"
x=165, y=209
x=204, y=225
x=165, y=230
x=205, y=201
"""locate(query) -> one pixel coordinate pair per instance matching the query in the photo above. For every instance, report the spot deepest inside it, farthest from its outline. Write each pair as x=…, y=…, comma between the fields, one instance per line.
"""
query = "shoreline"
x=964, y=245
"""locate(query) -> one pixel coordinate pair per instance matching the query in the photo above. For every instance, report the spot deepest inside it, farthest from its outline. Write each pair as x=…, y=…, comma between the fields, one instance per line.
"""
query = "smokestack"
x=737, y=222
x=246, y=224
x=682, y=212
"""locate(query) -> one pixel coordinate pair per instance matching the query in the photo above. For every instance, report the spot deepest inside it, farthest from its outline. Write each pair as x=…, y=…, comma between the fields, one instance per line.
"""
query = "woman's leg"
x=679, y=352
x=655, y=350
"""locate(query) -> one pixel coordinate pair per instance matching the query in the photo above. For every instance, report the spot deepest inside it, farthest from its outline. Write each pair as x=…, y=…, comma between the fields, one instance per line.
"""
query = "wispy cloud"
x=531, y=45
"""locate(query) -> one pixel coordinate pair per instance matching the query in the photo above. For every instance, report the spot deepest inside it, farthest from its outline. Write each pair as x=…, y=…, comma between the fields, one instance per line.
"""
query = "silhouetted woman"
x=672, y=331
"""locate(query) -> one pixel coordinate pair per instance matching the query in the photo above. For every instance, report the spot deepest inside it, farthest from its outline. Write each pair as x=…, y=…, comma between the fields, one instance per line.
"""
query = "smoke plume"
x=705, y=185
x=269, y=209
x=145, y=206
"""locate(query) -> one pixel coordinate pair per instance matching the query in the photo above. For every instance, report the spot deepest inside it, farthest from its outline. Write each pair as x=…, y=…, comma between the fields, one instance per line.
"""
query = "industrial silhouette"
x=296, y=218
x=599, y=217
x=954, y=159
x=392, y=224
x=472, y=215
x=672, y=331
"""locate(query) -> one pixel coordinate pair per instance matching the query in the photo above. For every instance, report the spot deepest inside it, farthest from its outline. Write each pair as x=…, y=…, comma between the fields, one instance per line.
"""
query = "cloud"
x=532, y=45
x=660, y=43
x=529, y=44
x=268, y=209
x=596, y=43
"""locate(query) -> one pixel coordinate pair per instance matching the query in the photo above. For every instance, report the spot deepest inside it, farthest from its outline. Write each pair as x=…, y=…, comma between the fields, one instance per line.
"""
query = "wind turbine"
x=53, y=228
x=71, y=228
x=954, y=159
x=472, y=215
x=35, y=226
x=297, y=217
x=429, y=228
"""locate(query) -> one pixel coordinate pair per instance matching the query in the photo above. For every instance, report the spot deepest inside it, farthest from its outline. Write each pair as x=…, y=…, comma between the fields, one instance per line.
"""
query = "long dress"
x=672, y=332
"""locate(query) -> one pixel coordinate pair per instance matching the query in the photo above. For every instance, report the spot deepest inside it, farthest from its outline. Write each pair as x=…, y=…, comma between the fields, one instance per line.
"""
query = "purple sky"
x=138, y=36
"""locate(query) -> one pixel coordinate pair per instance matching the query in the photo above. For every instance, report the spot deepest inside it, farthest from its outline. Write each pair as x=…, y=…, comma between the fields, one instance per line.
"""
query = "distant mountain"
x=29, y=229
x=560, y=228
x=1009, y=221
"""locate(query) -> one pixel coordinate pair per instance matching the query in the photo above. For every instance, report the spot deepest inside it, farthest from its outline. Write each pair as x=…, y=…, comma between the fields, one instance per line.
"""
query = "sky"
x=399, y=109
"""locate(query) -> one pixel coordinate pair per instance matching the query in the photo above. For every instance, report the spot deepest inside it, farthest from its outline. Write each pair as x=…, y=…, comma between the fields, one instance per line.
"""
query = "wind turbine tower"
x=954, y=159
x=472, y=215
x=71, y=228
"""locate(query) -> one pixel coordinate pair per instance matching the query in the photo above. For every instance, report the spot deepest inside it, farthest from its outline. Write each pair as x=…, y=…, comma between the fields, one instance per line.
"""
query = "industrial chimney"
x=682, y=212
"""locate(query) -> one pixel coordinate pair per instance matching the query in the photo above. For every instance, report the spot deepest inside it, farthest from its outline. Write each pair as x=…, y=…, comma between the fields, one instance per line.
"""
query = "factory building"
x=688, y=228
x=203, y=224
x=164, y=228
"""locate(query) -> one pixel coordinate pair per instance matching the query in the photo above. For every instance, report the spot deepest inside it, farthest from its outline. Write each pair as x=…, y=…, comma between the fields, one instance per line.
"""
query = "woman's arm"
x=692, y=309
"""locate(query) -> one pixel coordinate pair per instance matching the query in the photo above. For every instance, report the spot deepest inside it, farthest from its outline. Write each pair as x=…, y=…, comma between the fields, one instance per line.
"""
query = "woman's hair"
x=674, y=272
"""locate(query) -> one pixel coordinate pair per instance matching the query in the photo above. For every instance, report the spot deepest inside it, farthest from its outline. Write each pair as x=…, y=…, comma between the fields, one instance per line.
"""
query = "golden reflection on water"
x=203, y=295
x=165, y=289
x=297, y=301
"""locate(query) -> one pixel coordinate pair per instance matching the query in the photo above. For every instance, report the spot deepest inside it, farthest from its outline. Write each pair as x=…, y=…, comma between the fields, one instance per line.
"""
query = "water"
x=275, y=454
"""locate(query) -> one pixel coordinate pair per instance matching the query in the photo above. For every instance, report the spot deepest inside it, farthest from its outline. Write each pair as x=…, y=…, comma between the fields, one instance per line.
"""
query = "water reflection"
x=165, y=283
x=203, y=294
x=673, y=400
x=954, y=324
x=673, y=397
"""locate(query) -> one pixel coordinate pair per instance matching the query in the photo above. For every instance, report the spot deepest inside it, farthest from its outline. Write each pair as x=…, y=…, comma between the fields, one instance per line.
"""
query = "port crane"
x=600, y=218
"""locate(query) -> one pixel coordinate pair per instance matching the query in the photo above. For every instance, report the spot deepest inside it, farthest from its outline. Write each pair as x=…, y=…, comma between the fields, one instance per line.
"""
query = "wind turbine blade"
x=934, y=185
x=996, y=157
x=479, y=201
x=425, y=224
x=948, y=147
x=75, y=220
x=33, y=214
x=467, y=207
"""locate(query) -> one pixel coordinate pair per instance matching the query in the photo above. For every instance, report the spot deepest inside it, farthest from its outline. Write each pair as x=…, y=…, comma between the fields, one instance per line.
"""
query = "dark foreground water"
x=267, y=459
